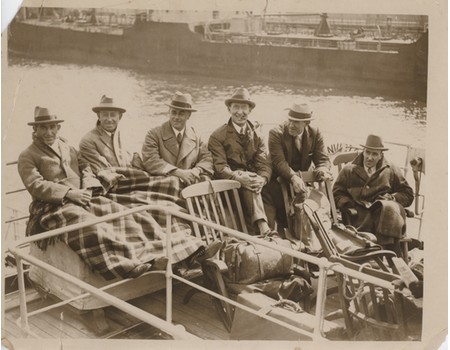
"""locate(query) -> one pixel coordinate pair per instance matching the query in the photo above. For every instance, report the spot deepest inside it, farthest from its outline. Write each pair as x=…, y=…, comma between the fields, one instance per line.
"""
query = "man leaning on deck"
x=294, y=146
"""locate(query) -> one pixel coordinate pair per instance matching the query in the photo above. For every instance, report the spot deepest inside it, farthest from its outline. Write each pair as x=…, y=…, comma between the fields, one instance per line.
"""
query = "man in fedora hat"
x=102, y=147
x=65, y=192
x=239, y=153
x=174, y=148
x=372, y=193
x=57, y=162
x=294, y=146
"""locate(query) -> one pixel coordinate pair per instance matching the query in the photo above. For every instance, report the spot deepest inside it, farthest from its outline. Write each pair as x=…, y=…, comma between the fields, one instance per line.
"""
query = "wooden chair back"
x=216, y=201
x=343, y=158
x=371, y=312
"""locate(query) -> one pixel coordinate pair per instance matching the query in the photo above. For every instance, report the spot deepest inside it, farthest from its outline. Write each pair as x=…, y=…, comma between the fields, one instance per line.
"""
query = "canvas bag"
x=248, y=262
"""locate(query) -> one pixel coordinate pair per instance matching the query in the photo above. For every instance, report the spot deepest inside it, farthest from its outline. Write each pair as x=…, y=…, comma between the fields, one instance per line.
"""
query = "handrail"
x=167, y=325
x=172, y=211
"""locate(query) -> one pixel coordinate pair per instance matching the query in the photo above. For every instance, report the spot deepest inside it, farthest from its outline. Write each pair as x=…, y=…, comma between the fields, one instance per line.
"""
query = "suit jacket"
x=48, y=176
x=282, y=151
x=99, y=151
x=232, y=152
x=161, y=153
x=353, y=184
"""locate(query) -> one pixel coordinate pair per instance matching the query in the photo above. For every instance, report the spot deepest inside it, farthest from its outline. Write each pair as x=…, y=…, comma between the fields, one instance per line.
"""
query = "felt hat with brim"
x=240, y=95
x=375, y=142
x=107, y=103
x=181, y=101
x=43, y=116
x=300, y=112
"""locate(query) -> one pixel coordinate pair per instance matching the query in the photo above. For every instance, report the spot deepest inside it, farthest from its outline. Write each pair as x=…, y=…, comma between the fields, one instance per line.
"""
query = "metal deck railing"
x=178, y=332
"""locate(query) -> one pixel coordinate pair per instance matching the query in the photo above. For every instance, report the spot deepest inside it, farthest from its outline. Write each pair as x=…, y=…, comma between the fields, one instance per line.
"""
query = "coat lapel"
x=307, y=140
x=105, y=138
x=287, y=139
x=187, y=145
x=169, y=139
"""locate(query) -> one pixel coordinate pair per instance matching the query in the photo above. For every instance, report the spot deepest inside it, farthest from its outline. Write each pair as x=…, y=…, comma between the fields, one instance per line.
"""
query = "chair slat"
x=202, y=216
x=230, y=208
x=240, y=211
x=216, y=216
x=207, y=208
x=194, y=224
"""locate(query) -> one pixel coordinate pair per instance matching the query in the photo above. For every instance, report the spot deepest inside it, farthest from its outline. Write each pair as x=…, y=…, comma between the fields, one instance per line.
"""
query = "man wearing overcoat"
x=372, y=193
x=239, y=153
x=102, y=147
x=174, y=148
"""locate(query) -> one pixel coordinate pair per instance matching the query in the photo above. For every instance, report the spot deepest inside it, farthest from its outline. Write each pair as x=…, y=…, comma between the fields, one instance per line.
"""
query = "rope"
x=288, y=304
x=360, y=288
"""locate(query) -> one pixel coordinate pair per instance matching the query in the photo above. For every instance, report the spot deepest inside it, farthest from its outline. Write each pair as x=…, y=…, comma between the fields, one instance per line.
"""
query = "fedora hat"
x=299, y=112
x=107, y=103
x=375, y=142
x=240, y=95
x=43, y=116
x=181, y=101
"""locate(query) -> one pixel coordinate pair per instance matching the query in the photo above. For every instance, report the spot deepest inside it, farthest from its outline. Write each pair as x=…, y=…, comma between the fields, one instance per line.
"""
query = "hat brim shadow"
x=46, y=122
x=375, y=148
x=300, y=120
x=231, y=100
x=98, y=109
x=181, y=108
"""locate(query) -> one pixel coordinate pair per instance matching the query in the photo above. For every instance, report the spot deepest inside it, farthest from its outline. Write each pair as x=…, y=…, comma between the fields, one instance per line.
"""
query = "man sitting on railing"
x=372, y=194
x=64, y=193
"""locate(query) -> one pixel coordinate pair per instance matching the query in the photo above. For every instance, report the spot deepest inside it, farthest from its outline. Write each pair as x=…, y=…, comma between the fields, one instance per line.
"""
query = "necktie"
x=179, y=138
x=242, y=131
x=298, y=143
x=370, y=170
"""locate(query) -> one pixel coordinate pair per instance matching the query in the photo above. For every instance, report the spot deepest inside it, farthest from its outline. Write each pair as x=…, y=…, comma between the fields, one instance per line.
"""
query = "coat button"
x=367, y=186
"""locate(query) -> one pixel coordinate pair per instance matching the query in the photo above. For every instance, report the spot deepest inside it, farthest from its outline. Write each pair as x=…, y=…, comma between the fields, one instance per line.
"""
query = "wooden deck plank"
x=199, y=316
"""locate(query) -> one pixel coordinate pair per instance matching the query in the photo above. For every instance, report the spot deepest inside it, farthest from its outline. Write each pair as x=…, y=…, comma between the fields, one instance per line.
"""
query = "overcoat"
x=232, y=151
x=48, y=176
x=101, y=151
x=161, y=153
x=355, y=188
x=283, y=152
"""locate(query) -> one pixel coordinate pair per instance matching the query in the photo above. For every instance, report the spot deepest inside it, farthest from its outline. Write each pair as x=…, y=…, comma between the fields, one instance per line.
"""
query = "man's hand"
x=322, y=175
x=386, y=197
x=81, y=197
x=187, y=176
x=298, y=184
x=110, y=178
x=251, y=181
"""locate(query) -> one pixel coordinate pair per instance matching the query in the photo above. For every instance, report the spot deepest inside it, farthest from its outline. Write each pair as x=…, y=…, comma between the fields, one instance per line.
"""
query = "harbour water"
x=70, y=91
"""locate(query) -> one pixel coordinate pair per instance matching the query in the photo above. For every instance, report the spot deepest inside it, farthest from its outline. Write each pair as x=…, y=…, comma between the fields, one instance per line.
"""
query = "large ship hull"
x=172, y=47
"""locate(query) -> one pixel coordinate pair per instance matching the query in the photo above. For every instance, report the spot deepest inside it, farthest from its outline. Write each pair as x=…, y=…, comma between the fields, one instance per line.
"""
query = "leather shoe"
x=159, y=264
x=139, y=270
x=203, y=253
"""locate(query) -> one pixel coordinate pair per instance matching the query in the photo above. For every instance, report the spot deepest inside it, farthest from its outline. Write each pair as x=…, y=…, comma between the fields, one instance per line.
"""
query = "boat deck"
x=199, y=317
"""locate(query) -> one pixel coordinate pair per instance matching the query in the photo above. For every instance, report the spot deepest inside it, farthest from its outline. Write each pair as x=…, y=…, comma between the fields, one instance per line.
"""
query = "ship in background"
x=376, y=54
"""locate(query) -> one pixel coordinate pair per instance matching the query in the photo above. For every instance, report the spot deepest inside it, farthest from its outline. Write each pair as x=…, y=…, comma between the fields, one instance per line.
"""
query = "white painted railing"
x=178, y=332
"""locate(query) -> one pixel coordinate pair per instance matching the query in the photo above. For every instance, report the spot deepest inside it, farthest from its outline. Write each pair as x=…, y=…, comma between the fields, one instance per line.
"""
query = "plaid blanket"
x=116, y=247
